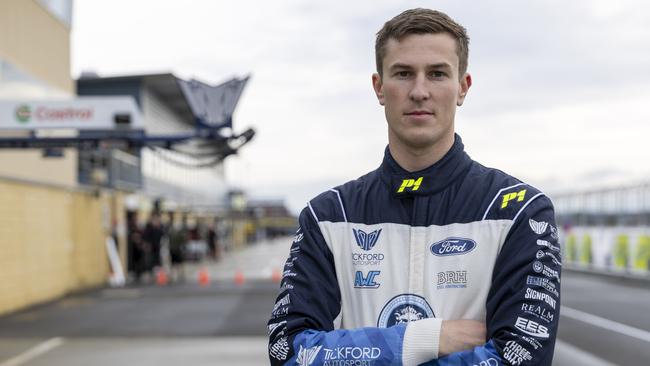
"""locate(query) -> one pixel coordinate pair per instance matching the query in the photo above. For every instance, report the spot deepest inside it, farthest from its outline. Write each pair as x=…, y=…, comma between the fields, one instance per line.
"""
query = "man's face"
x=420, y=89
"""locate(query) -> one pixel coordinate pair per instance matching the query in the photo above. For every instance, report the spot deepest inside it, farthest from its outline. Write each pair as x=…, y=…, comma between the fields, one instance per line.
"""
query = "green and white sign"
x=84, y=113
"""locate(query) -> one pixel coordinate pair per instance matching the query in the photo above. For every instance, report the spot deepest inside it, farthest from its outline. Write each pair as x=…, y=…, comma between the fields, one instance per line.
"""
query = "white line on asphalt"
x=605, y=323
x=34, y=352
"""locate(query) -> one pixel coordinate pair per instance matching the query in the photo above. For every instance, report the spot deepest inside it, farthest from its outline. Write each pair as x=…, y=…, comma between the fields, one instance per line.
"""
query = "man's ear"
x=465, y=83
x=377, y=85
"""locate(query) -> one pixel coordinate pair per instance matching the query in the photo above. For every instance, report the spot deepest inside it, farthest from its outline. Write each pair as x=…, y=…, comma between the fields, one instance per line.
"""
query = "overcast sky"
x=560, y=89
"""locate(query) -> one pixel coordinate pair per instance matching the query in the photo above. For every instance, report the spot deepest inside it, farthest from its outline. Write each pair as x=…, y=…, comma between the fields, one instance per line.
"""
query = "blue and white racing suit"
x=379, y=262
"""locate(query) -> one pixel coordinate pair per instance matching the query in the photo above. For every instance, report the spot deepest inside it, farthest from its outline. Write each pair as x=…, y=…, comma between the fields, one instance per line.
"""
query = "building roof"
x=192, y=100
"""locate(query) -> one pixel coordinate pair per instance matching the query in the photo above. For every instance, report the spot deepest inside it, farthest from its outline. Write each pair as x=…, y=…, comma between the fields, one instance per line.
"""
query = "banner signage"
x=83, y=113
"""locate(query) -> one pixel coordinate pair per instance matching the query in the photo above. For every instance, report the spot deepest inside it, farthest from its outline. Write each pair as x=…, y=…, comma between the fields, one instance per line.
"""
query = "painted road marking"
x=605, y=323
x=34, y=352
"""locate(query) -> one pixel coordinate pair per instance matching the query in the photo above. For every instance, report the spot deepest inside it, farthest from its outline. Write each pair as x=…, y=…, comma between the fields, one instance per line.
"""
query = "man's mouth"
x=419, y=113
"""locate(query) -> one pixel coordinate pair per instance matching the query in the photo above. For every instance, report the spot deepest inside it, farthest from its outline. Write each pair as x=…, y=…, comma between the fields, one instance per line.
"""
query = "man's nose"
x=419, y=91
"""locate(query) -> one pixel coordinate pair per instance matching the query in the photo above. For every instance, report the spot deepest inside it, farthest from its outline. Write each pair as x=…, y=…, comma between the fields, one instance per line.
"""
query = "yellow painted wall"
x=52, y=242
x=29, y=164
x=35, y=41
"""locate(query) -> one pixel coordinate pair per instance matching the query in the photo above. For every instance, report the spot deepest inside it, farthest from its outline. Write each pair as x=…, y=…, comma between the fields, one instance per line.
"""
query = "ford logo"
x=452, y=246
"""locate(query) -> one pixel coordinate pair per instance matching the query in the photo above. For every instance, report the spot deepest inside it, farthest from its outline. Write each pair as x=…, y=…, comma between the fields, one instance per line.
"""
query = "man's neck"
x=414, y=159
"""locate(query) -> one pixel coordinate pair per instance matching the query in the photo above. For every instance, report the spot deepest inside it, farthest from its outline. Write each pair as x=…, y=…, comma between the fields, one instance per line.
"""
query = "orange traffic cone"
x=161, y=277
x=276, y=275
x=239, y=278
x=204, y=277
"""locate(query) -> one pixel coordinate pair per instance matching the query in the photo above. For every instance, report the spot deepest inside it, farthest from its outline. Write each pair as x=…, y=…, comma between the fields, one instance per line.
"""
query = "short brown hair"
x=422, y=21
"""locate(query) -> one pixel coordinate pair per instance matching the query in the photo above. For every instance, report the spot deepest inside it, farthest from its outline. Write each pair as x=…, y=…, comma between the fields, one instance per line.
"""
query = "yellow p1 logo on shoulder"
x=410, y=183
x=511, y=196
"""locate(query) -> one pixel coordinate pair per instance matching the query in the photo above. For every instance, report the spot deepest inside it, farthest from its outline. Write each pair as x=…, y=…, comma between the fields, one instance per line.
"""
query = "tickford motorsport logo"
x=404, y=308
x=306, y=356
x=344, y=356
x=366, y=241
x=23, y=114
x=538, y=227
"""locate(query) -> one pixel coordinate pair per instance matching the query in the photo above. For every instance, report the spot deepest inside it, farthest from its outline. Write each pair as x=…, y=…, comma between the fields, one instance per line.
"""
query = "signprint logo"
x=365, y=240
x=452, y=246
x=23, y=114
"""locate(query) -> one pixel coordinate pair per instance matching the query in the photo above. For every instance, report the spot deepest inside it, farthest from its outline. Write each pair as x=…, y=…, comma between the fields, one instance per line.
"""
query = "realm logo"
x=306, y=356
x=365, y=240
x=453, y=246
x=538, y=311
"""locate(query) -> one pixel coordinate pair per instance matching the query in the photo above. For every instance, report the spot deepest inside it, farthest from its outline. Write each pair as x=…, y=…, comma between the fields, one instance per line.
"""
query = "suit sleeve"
x=524, y=300
x=302, y=325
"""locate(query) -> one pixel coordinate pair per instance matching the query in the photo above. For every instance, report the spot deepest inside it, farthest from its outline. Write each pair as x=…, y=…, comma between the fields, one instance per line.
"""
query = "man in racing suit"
x=432, y=258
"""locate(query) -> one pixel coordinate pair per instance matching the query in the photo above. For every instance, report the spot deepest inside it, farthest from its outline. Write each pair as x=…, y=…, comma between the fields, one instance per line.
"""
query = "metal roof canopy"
x=207, y=108
x=193, y=100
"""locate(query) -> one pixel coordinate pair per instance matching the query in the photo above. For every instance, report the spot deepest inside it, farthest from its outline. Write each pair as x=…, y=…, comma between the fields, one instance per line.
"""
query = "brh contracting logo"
x=365, y=240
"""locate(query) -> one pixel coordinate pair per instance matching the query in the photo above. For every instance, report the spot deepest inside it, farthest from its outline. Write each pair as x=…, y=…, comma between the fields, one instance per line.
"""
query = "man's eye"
x=402, y=74
x=438, y=74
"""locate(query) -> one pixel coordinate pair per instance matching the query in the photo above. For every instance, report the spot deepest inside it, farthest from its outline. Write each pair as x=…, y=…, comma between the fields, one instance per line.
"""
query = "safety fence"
x=614, y=249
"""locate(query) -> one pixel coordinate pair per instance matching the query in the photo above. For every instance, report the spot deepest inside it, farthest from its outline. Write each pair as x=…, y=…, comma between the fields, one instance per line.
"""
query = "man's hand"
x=460, y=335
